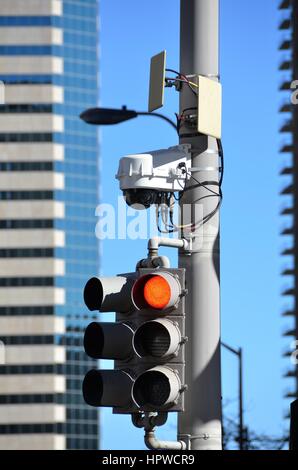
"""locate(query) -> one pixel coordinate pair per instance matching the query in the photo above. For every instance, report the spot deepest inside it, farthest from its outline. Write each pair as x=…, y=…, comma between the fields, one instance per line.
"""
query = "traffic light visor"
x=157, y=338
x=156, y=388
x=109, y=294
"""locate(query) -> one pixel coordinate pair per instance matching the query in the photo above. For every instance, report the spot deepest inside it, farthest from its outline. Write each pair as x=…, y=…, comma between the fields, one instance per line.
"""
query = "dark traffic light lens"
x=94, y=340
x=107, y=388
x=93, y=294
x=152, y=339
x=93, y=388
x=104, y=340
x=151, y=389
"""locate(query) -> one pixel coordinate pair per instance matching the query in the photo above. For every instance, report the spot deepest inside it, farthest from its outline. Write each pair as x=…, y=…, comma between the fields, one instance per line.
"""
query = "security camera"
x=140, y=197
x=147, y=178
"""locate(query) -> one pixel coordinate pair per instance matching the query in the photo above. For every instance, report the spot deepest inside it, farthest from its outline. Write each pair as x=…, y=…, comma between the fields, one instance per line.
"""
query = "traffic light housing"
x=146, y=341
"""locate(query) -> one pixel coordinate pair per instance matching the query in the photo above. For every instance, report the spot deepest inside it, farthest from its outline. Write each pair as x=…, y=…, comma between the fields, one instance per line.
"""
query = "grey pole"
x=200, y=424
x=241, y=436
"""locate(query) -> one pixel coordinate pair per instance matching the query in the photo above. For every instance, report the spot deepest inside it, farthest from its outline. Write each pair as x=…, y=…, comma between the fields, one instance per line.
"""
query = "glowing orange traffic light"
x=157, y=292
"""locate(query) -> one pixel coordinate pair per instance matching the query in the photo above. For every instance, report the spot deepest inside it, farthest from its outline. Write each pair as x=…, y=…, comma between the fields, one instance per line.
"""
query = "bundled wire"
x=168, y=204
x=182, y=79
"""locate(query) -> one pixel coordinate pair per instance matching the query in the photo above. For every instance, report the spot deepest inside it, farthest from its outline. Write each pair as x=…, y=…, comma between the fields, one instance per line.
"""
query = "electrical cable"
x=204, y=185
x=170, y=79
x=169, y=229
x=185, y=79
x=219, y=194
x=221, y=154
x=177, y=73
x=169, y=199
x=181, y=117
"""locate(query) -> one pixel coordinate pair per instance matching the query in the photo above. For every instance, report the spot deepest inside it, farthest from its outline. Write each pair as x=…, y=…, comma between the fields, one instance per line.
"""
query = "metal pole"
x=294, y=426
x=200, y=424
x=241, y=437
x=239, y=354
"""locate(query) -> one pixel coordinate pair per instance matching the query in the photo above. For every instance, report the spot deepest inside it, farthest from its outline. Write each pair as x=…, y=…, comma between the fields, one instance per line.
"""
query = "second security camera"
x=146, y=177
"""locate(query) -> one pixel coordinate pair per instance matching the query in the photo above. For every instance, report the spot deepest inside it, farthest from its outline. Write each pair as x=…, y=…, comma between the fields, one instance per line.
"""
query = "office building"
x=48, y=195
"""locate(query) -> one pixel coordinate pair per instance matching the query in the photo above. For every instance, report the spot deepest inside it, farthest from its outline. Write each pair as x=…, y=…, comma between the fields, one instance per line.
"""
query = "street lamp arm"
x=161, y=116
x=238, y=353
x=108, y=116
x=232, y=350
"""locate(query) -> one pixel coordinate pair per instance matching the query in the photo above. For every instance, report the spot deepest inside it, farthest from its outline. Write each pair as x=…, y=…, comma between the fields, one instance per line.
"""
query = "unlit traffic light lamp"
x=146, y=341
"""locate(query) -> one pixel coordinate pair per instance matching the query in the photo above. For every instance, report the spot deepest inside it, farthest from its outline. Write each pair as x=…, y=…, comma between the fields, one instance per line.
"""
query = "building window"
x=26, y=281
x=26, y=108
x=27, y=253
x=26, y=137
x=26, y=195
x=26, y=166
x=29, y=369
x=25, y=20
x=26, y=224
x=28, y=398
x=27, y=311
x=27, y=339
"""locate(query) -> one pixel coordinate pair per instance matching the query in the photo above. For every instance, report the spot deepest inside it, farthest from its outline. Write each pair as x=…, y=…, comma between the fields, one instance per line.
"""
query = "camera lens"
x=140, y=198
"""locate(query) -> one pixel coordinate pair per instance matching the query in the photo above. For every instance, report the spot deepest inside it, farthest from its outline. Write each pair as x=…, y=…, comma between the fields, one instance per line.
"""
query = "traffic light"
x=146, y=341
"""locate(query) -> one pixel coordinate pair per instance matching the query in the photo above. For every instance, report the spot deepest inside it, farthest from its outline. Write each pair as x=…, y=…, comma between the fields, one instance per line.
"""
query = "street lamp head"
x=107, y=116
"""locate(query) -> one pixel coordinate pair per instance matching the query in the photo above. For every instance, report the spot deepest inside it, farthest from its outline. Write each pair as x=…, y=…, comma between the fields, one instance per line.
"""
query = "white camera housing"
x=160, y=170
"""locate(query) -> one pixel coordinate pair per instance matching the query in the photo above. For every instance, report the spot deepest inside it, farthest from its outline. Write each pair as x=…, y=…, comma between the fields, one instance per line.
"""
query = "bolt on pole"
x=200, y=424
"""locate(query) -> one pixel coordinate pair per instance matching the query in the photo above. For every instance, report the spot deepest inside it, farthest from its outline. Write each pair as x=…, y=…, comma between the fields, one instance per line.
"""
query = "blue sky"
x=132, y=32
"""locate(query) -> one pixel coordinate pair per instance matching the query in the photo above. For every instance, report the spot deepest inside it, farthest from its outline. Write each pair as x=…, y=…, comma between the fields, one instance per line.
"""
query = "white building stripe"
x=32, y=210
x=32, y=239
x=20, y=65
x=32, y=383
x=32, y=414
x=28, y=122
x=31, y=296
x=31, y=325
x=33, y=8
x=34, y=181
x=26, y=35
x=36, y=267
x=35, y=354
x=32, y=442
x=16, y=152
x=32, y=94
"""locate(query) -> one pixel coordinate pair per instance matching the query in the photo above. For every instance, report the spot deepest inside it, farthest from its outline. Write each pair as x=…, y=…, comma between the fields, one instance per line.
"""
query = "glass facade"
x=80, y=168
